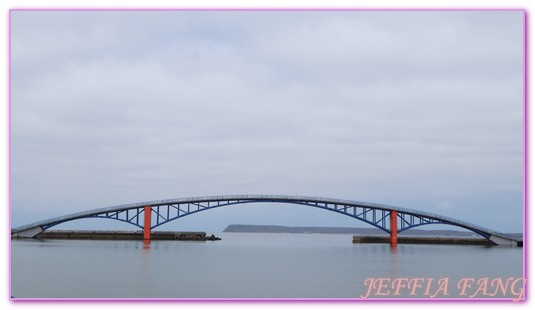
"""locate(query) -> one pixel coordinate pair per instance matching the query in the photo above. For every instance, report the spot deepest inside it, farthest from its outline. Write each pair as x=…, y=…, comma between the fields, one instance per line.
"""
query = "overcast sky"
x=422, y=110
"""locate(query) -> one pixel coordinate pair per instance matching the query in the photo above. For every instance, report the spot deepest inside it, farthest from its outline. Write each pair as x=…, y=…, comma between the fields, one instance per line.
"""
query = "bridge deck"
x=240, y=199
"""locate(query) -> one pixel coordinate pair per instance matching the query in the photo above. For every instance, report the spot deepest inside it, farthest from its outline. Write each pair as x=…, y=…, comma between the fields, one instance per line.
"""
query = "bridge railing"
x=258, y=198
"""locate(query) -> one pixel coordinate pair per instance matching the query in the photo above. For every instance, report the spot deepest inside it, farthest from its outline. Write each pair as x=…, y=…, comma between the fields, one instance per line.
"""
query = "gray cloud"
x=407, y=108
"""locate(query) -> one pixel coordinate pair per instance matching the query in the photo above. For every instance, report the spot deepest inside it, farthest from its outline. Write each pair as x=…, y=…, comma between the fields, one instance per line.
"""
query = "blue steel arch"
x=164, y=211
x=274, y=201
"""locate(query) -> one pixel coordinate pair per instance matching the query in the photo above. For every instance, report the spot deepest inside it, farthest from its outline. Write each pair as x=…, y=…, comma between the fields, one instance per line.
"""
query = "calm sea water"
x=255, y=265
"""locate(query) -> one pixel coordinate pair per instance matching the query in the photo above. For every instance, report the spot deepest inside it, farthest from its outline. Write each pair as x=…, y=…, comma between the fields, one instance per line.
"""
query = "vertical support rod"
x=393, y=228
x=147, y=223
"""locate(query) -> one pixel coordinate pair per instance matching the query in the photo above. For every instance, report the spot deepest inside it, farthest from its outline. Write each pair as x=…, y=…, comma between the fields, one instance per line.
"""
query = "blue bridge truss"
x=164, y=211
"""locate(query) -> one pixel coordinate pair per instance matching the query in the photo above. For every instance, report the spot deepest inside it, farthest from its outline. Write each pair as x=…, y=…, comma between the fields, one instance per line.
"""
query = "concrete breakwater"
x=125, y=235
x=423, y=240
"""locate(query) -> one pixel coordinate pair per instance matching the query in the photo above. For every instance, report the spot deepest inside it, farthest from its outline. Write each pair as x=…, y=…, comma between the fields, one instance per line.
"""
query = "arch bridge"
x=152, y=214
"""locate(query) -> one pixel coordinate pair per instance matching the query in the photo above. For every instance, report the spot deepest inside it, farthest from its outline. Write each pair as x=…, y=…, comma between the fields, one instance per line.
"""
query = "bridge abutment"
x=502, y=241
x=29, y=233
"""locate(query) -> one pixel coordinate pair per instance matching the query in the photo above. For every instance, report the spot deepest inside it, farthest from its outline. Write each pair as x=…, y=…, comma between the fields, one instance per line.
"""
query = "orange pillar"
x=146, y=225
x=393, y=228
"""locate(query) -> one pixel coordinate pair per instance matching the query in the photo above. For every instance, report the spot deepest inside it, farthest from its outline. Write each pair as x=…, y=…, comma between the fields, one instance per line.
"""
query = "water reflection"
x=145, y=274
x=246, y=266
x=394, y=260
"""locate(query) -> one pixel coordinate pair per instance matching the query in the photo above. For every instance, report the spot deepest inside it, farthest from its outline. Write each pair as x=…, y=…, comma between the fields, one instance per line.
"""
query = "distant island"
x=238, y=228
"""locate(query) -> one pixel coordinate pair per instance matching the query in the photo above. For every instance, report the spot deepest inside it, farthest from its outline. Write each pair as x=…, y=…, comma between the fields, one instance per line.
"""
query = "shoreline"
x=126, y=235
x=202, y=236
x=427, y=240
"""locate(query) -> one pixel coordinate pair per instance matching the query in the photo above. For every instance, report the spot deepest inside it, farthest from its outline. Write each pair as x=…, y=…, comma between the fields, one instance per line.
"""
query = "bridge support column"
x=147, y=223
x=393, y=228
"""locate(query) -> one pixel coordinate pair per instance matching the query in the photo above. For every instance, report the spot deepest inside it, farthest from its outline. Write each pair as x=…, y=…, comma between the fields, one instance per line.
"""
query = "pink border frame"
x=283, y=300
x=526, y=152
